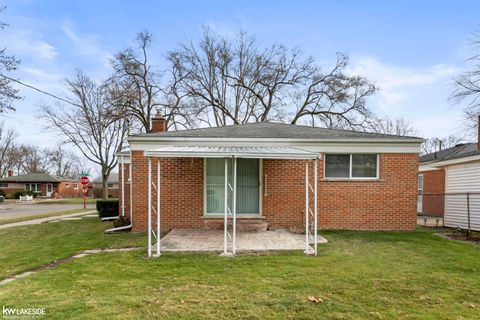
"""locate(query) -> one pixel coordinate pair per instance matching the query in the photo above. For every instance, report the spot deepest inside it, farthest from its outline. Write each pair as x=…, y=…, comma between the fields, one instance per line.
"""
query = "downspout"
x=113, y=230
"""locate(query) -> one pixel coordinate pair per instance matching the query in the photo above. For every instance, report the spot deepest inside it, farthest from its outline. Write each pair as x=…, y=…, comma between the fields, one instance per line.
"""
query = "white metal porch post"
x=306, y=207
x=131, y=188
x=234, y=236
x=158, y=207
x=149, y=207
x=315, y=206
x=123, y=186
x=225, y=205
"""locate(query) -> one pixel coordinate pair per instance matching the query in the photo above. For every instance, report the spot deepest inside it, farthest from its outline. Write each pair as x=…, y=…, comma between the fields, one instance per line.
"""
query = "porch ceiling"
x=255, y=152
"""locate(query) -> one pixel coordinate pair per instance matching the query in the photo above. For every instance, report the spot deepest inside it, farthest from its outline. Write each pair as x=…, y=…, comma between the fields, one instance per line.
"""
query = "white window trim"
x=350, y=177
x=239, y=215
x=75, y=186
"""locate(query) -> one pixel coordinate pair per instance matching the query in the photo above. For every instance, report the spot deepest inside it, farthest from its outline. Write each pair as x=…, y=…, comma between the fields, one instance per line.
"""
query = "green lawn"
x=67, y=201
x=359, y=275
x=39, y=216
x=28, y=247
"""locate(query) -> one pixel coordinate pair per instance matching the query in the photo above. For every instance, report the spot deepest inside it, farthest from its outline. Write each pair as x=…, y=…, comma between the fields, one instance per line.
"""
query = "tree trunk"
x=105, y=175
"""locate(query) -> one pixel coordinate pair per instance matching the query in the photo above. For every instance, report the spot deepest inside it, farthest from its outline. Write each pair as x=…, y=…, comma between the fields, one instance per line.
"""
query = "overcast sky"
x=410, y=49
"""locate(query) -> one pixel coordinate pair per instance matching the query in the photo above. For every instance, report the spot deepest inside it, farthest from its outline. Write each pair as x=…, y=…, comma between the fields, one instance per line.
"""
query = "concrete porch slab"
x=204, y=240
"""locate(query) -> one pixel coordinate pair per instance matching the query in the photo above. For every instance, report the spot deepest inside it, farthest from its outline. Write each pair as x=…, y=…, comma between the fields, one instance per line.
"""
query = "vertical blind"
x=248, y=183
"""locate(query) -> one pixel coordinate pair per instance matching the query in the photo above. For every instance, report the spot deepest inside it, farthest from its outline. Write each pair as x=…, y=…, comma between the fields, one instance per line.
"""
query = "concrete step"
x=250, y=225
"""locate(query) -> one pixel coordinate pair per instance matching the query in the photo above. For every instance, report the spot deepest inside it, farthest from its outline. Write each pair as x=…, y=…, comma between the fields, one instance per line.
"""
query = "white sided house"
x=450, y=185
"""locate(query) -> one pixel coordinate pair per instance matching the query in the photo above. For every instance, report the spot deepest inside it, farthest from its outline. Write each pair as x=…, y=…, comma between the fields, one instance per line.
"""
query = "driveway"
x=18, y=210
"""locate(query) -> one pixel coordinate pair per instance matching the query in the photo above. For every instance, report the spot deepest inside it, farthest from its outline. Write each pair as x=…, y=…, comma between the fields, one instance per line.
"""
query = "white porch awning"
x=255, y=152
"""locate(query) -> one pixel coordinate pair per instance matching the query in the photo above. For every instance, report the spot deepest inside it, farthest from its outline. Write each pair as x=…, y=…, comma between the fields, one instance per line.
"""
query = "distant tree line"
x=25, y=158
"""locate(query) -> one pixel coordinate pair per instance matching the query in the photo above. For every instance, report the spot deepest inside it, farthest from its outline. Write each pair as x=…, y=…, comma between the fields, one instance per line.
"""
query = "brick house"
x=363, y=181
x=445, y=178
x=42, y=184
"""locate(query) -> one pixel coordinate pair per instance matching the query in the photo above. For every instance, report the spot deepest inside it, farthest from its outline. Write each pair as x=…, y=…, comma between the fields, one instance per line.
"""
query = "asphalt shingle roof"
x=273, y=130
x=459, y=151
x=33, y=177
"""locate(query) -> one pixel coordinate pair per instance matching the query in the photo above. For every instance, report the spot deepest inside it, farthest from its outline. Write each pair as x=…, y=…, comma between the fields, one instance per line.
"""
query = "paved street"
x=17, y=210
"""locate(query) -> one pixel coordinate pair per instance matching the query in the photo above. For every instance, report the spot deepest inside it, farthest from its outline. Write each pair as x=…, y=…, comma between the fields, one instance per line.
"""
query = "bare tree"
x=63, y=163
x=233, y=81
x=7, y=149
x=385, y=125
x=32, y=159
x=87, y=125
x=135, y=88
x=467, y=86
x=8, y=63
x=436, y=144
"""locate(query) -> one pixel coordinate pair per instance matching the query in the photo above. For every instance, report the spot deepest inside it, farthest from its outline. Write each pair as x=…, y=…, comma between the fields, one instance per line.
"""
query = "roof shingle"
x=272, y=130
x=459, y=151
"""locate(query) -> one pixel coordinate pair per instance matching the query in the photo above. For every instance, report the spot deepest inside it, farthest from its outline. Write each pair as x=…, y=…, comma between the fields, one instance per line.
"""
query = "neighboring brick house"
x=42, y=184
x=112, y=185
x=445, y=178
x=366, y=181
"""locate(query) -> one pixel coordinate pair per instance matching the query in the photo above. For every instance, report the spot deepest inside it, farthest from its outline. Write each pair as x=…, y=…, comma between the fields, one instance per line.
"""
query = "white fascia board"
x=317, y=147
x=423, y=168
x=456, y=161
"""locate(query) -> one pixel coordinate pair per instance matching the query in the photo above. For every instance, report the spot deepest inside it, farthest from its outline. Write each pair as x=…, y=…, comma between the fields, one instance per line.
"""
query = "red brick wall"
x=181, y=192
x=386, y=204
x=69, y=192
x=434, y=183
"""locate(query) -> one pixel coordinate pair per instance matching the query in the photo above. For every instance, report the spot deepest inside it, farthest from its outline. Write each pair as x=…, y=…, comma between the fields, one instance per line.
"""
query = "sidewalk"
x=42, y=220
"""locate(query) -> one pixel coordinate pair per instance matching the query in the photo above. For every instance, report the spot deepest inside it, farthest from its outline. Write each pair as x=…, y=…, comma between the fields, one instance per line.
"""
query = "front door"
x=49, y=189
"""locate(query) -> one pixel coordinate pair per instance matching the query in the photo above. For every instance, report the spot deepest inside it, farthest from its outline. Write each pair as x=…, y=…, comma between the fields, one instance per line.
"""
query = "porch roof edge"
x=233, y=151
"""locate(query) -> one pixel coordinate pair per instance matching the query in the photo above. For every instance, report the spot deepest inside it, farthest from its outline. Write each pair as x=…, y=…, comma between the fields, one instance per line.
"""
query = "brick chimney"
x=159, y=124
x=10, y=173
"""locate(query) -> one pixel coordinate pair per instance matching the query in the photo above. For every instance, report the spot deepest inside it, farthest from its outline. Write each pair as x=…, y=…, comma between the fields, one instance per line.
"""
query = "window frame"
x=75, y=186
x=350, y=169
x=246, y=215
x=420, y=178
x=38, y=187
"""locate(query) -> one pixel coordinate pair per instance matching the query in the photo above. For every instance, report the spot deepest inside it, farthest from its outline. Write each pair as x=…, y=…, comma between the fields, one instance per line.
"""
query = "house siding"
x=460, y=179
x=385, y=204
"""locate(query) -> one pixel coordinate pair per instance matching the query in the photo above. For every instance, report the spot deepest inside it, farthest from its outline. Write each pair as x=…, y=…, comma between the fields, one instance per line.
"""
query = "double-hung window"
x=248, y=186
x=351, y=166
x=34, y=187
